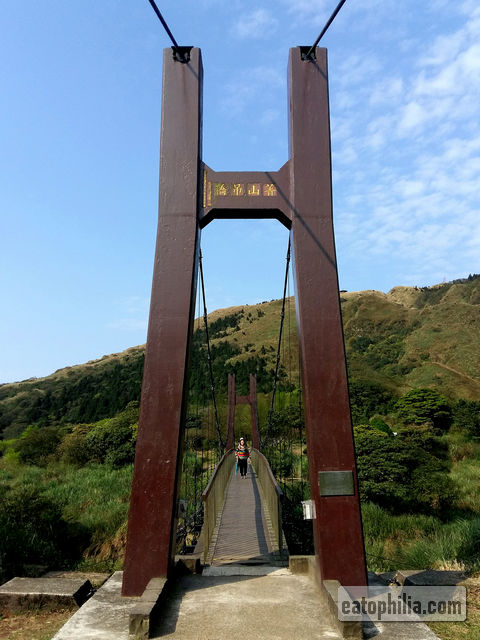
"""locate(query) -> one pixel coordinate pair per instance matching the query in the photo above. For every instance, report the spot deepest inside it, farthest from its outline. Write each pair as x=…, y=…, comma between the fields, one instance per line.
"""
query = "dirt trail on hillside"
x=459, y=373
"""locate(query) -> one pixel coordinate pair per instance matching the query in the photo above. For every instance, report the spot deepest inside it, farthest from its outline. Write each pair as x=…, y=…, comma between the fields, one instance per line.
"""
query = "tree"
x=367, y=399
x=421, y=406
x=466, y=415
x=38, y=444
x=403, y=473
x=32, y=531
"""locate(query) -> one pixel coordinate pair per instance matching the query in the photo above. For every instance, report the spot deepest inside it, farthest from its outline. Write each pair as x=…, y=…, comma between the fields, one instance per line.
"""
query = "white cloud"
x=260, y=85
x=412, y=116
x=387, y=91
x=316, y=12
x=255, y=24
x=132, y=314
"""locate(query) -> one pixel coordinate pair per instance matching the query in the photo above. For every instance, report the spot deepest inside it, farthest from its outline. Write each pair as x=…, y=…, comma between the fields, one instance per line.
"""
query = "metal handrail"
x=214, y=497
x=271, y=492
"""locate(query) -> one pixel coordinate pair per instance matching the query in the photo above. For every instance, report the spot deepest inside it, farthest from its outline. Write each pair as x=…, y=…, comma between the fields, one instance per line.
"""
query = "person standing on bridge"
x=242, y=454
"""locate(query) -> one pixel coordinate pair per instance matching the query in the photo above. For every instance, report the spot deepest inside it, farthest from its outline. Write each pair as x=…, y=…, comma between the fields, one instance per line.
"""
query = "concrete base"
x=96, y=578
x=278, y=606
x=328, y=594
x=300, y=565
x=275, y=605
x=348, y=630
x=380, y=631
x=20, y=594
x=395, y=630
x=141, y=616
x=190, y=563
x=104, y=617
x=227, y=570
x=429, y=578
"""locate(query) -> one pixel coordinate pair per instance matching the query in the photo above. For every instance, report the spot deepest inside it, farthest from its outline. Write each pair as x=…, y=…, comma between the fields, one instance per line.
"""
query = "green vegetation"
x=425, y=406
x=68, y=440
x=419, y=541
x=82, y=394
x=53, y=516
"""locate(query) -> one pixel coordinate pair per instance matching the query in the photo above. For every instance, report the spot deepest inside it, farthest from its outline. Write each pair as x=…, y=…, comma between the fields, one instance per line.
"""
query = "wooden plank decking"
x=242, y=534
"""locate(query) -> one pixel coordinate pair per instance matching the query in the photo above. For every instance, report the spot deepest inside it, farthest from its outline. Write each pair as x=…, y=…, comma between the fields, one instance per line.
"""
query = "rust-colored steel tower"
x=299, y=195
x=233, y=400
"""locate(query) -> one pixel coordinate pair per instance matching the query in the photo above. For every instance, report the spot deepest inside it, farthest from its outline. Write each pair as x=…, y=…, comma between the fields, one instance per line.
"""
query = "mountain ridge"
x=406, y=338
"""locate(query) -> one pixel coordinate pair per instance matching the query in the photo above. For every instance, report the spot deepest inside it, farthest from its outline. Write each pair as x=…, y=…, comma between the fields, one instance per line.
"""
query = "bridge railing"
x=214, y=496
x=271, y=494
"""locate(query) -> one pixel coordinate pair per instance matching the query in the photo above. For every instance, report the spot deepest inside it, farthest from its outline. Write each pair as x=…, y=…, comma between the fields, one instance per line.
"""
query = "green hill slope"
x=409, y=337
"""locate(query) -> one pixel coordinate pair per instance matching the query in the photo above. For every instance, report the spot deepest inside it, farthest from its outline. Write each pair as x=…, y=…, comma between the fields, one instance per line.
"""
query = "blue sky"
x=79, y=132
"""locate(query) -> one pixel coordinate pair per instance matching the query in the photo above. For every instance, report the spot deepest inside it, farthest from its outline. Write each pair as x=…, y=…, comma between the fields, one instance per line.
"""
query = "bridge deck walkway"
x=243, y=535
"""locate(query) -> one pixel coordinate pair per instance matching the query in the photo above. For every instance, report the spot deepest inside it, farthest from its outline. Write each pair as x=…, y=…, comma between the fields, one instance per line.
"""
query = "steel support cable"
x=195, y=441
x=209, y=358
x=277, y=364
x=181, y=52
x=324, y=30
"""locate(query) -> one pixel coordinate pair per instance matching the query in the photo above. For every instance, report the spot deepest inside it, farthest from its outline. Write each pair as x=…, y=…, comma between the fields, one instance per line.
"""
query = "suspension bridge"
x=186, y=495
x=190, y=511
x=241, y=524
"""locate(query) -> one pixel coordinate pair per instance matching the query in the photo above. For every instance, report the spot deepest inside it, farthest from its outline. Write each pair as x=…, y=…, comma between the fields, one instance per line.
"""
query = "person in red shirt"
x=242, y=454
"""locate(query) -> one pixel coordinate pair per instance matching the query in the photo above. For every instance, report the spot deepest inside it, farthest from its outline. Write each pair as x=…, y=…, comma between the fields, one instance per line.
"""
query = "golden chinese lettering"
x=269, y=190
x=220, y=189
x=253, y=189
x=238, y=189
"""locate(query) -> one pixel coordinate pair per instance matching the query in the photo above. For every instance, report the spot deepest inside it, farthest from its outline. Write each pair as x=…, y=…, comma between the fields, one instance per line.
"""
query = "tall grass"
x=466, y=475
x=419, y=542
x=96, y=497
x=92, y=501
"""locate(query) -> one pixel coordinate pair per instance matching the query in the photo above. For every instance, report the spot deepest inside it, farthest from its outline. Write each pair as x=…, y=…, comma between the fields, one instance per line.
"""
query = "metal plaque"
x=336, y=483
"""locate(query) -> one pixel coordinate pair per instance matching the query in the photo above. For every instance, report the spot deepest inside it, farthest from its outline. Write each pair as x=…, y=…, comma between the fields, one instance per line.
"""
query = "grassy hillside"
x=413, y=355
x=416, y=337
x=409, y=337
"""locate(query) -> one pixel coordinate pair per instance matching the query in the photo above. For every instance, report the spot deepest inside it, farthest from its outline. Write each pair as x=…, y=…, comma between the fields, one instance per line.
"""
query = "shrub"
x=367, y=399
x=421, y=406
x=32, y=531
x=72, y=449
x=403, y=473
x=37, y=445
x=283, y=464
x=110, y=441
x=298, y=532
x=377, y=423
x=466, y=416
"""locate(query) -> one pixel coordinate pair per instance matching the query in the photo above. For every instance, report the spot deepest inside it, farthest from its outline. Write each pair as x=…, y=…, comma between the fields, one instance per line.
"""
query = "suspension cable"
x=277, y=364
x=209, y=358
x=180, y=53
x=324, y=30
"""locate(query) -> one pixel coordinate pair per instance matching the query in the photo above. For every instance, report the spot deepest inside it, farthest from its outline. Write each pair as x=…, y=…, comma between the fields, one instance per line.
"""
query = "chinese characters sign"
x=248, y=189
x=215, y=190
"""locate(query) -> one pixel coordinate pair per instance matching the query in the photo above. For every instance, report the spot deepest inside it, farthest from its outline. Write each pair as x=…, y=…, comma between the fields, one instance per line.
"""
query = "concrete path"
x=234, y=603
x=103, y=617
x=242, y=535
x=277, y=606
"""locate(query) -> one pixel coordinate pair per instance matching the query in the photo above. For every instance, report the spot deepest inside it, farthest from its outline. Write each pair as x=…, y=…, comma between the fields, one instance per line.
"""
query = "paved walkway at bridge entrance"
x=278, y=606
